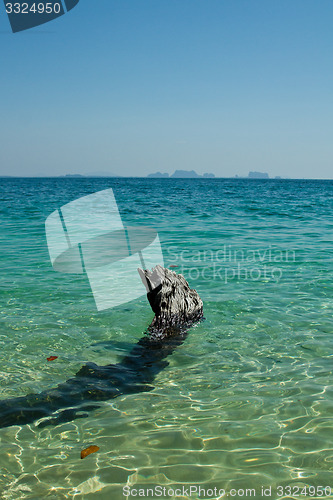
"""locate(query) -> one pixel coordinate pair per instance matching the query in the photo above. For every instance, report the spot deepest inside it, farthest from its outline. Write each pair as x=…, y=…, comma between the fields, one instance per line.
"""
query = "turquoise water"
x=246, y=401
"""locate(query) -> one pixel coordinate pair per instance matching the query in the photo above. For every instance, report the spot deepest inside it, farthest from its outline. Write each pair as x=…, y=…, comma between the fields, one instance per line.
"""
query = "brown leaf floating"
x=89, y=451
x=52, y=358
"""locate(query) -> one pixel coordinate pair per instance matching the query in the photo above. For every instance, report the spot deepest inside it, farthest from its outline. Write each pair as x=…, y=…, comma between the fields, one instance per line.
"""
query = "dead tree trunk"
x=176, y=308
x=175, y=304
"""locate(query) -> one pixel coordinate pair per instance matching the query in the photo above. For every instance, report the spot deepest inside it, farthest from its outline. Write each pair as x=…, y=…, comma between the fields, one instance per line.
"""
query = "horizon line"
x=82, y=176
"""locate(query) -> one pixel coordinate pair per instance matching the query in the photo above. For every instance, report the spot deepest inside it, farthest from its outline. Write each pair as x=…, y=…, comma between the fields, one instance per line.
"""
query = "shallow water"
x=245, y=402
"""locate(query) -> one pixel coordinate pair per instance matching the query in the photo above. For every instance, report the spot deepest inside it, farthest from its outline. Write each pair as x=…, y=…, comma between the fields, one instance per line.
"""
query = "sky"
x=130, y=87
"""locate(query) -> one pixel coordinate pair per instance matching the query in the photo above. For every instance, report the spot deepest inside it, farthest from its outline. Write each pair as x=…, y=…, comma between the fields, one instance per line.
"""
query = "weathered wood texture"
x=175, y=304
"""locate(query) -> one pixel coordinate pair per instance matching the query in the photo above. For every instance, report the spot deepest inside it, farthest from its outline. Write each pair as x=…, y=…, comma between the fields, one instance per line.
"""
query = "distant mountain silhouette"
x=185, y=174
x=258, y=175
x=158, y=175
x=182, y=174
x=92, y=174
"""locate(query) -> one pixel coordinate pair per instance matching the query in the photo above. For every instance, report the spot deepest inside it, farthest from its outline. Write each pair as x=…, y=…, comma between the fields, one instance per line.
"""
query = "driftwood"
x=175, y=305
x=176, y=308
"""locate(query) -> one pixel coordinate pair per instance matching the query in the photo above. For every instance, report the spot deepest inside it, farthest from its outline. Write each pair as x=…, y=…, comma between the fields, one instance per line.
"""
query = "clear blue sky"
x=135, y=86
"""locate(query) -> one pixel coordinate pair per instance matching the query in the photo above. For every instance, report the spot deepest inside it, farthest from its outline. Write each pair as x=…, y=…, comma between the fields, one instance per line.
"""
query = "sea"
x=242, y=408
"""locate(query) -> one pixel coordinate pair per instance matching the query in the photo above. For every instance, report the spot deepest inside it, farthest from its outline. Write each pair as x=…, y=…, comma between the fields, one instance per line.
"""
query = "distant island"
x=181, y=174
x=258, y=175
x=261, y=175
x=92, y=174
x=158, y=175
x=178, y=174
